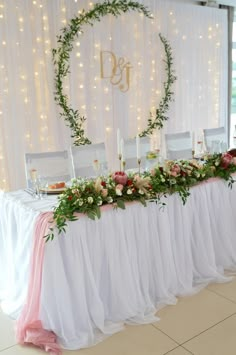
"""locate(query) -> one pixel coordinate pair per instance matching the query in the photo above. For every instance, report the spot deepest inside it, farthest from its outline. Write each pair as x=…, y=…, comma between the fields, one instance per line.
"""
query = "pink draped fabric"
x=29, y=329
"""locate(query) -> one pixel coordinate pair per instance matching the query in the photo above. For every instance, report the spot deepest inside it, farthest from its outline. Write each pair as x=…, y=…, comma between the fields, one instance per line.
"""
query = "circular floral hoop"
x=61, y=57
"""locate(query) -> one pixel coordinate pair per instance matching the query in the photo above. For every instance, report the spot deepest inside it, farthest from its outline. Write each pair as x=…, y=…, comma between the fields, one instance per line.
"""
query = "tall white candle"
x=193, y=141
x=122, y=148
x=122, y=153
x=138, y=146
x=118, y=141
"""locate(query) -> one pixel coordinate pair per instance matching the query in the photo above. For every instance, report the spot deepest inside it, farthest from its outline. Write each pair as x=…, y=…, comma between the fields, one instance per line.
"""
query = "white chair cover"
x=212, y=135
x=178, y=145
x=130, y=151
x=84, y=157
x=52, y=166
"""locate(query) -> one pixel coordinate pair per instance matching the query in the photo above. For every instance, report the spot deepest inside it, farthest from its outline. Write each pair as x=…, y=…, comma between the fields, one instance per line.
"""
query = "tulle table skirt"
x=120, y=269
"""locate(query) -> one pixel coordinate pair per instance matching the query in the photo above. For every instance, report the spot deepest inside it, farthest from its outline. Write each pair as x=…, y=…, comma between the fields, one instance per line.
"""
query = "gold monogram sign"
x=115, y=69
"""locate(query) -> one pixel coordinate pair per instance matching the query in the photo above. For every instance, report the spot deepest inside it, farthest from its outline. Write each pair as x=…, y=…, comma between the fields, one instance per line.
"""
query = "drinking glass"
x=42, y=187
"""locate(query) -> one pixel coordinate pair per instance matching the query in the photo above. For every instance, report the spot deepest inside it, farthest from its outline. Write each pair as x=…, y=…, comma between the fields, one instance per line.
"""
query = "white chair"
x=178, y=145
x=89, y=160
x=215, y=139
x=130, y=152
x=52, y=166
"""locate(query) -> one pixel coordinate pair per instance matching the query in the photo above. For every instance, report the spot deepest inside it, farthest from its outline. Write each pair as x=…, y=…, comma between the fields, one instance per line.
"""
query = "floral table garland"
x=87, y=196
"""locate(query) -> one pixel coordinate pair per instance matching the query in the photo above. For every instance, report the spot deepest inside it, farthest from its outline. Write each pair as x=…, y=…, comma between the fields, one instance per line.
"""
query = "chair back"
x=178, y=145
x=52, y=166
x=215, y=139
x=130, y=151
x=89, y=160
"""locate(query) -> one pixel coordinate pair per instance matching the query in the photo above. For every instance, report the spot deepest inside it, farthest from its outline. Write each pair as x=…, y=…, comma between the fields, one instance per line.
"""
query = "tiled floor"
x=203, y=324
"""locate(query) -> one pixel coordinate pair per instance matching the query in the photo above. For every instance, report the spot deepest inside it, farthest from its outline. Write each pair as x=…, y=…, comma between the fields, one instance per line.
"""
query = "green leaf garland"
x=160, y=116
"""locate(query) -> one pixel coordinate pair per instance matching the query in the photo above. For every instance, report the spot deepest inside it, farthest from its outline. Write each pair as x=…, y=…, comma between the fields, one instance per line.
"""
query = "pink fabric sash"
x=29, y=329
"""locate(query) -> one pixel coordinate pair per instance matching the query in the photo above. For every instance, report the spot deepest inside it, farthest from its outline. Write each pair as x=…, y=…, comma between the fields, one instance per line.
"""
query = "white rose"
x=118, y=192
x=129, y=192
x=109, y=199
x=140, y=192
x=90, y=200
x=99, y=203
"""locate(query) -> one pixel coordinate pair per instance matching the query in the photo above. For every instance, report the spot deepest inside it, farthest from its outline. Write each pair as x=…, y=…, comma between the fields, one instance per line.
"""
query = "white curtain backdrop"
x=29, y=117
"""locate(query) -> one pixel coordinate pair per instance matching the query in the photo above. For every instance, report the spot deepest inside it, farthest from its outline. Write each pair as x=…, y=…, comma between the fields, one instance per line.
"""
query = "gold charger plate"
x=53, y=191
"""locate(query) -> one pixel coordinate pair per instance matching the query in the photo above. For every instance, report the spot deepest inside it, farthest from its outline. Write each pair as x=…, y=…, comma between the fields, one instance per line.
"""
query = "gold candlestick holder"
x=120, y=157
x=139, y=165
x=123, y=165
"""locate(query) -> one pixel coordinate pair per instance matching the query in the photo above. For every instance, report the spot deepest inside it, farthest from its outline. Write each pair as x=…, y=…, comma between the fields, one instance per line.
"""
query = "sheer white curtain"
x=29, y=117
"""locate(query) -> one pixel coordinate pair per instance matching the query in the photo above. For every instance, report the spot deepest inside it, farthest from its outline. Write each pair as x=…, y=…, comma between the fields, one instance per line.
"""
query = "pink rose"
x=120, y=177
x=226, y=159
x=119, y=189
x=153, y=173
x=104, y=192
x=175, y=170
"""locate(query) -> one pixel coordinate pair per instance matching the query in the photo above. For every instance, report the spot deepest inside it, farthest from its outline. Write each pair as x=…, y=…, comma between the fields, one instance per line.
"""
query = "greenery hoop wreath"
x=61, y=57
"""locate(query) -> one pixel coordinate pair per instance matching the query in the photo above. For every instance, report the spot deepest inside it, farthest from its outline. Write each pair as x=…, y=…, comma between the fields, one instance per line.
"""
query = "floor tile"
x=179, y=351
x=193, y=315
x=134, y=340
x=7, y=334
x=219, y=340
x=22, y=350
x=227, y=290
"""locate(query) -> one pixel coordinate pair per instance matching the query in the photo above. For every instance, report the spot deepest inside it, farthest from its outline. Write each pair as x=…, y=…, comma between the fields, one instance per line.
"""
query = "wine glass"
x=96, y=166
x=34, y=182
x=199, y=147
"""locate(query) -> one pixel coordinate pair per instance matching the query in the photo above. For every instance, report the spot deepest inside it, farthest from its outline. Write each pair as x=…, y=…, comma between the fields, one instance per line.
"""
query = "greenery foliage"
x=160, y=114
x=87, y=196
x=61, y=56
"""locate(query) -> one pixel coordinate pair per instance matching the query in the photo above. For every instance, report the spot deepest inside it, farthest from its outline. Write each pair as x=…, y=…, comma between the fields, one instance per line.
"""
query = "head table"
x=100, y=275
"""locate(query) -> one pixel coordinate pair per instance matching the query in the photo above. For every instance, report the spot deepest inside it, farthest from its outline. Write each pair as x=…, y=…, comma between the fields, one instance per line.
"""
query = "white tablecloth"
x=121, y=268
